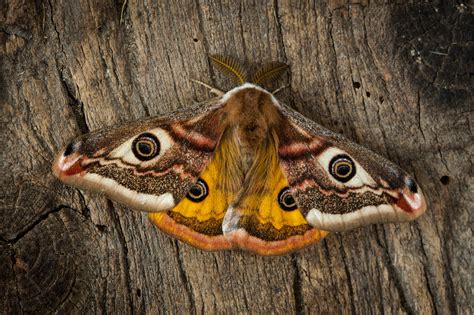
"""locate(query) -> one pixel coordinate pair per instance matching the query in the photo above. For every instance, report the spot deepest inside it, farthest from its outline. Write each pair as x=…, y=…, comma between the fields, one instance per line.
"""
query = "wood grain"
x=396, y=78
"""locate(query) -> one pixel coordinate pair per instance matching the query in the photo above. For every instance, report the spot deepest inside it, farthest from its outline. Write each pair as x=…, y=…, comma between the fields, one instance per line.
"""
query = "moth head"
x=358, y=187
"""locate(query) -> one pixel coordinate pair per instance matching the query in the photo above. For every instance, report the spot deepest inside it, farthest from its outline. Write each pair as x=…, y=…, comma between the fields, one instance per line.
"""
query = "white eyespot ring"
x=144, y=148
x=350, y=177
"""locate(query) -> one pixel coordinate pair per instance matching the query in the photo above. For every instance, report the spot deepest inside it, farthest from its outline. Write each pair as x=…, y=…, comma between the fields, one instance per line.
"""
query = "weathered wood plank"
x=395, y=78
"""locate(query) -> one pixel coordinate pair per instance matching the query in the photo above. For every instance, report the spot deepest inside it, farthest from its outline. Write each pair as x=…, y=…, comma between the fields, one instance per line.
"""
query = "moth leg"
x=213, y=90
x=279, y=89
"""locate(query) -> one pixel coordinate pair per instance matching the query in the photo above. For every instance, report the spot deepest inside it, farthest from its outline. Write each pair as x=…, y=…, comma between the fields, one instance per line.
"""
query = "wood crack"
x=75, y=104
x=40, y=219
x=67, y=83
x=17, y=292
x=124, y=256
x=56, y=29
x=242, y=35
x=279, y=28
x=297, y=286
x=347, y=270
x=327, y=255
x=210, y=67
x=334, y=53
x=393, y=274
x=281, y=43
x=175, y=88
x=418, y=105
x=425, y=271
x=184, y=278
x=447, y=278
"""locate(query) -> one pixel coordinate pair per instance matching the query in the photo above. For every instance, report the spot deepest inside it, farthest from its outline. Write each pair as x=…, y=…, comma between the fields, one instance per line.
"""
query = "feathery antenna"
x=269, y=72
x=230, y=67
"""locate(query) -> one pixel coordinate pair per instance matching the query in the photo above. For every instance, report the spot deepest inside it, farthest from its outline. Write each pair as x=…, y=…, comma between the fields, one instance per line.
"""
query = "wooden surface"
x=395, y=78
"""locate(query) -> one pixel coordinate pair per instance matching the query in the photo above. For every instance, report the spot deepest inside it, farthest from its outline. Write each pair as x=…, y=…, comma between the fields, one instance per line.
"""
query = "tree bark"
x=396, y=78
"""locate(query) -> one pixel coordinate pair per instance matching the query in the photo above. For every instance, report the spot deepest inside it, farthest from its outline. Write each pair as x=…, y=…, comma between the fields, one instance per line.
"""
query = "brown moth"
x=241, y=170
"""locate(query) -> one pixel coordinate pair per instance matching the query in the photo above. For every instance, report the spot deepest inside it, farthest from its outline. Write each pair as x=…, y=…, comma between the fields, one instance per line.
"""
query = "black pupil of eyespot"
x=145, y=147
x=343, y=169
x=196, y=190
x=289, y=201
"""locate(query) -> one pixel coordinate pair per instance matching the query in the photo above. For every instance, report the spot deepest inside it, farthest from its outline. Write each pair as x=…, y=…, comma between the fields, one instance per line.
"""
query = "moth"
x=241, y=170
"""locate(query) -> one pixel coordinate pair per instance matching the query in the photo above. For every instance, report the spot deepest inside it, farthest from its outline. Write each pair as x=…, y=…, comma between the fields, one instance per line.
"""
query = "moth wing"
x=339, y=185
x=148, y=165
x=197, y=218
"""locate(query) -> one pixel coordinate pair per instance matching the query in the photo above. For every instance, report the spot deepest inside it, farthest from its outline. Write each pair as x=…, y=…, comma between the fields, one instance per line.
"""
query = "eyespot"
x=146, y=146
x=199, y=191
x=286, y=200
x=342, y=168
